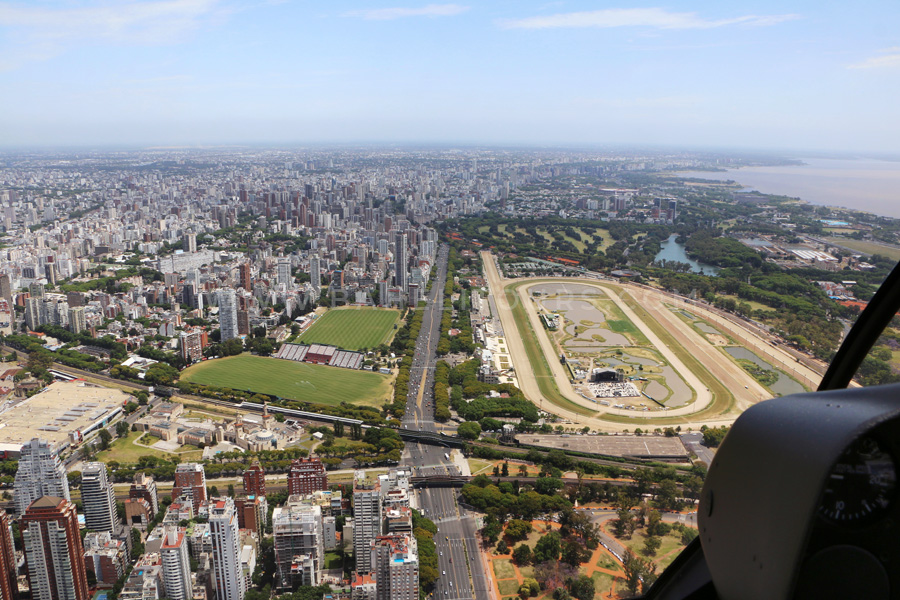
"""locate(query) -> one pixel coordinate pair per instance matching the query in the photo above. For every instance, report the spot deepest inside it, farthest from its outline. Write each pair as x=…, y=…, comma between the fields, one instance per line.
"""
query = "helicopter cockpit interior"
x=801, y=499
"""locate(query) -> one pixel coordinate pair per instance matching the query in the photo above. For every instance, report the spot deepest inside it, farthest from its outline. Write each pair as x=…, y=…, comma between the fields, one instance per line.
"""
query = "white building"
x=366, y=518
x=315, y=275
x=40, y=473
x=223, y=526
x=299, y=543
x=176, y=564
x=98, y=498
x=395, y=562
x=227, y=314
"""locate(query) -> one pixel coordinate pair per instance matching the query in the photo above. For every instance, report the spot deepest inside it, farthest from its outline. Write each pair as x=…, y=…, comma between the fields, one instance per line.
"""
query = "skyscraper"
x=53, y=552
x=366, y=518
x=98, y=498
x=315, y=275
x=190, y=480
x=284, y=272
x=176, y=566
x=395, y=562
x=245, y=277
x=228, y=314
x=401, y=259
x=306, y=475
x=77, y=322
x=40, y=473
x=255, y=480
x=223, y=528
x=5, y=287
x=9, y=589
x=299, y=544
x=189, y=243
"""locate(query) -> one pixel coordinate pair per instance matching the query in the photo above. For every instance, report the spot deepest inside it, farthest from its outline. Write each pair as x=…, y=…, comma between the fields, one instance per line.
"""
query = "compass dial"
x=861, y=486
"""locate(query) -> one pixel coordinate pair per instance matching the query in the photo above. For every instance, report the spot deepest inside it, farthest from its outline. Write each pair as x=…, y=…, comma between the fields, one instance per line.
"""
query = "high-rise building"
x=5, y=287
x=299, y=544
x=228, y=314
x=189, y=242
x=53, y=552
x=40, y=473
x=33, y=312
x=176, y=564
x=284, y=272
x=9, y=589
x=306, y=475
x=255, y=480
x=104, y=556
x=191, y=346
x=315, y=275
x=395, y=563
x=77, y=321
x=190, y=480
x=245, y=280
x=366, y=518
x=145, y=487
x=401, y=259
x=98, y=498
x=224, y=532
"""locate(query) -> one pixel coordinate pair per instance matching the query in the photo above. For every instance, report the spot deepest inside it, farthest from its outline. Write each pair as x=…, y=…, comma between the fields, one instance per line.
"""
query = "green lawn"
x=319, y=384
x=352, y=328
x=508, y=586
x=125, y=452
x=503, y=569
x=332, y=560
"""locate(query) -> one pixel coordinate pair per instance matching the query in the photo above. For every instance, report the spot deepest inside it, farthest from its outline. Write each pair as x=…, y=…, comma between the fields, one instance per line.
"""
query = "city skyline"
x=793, y=76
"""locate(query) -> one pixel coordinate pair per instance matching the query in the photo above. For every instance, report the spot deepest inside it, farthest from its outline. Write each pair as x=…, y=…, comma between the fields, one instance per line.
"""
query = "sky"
x=781, y=75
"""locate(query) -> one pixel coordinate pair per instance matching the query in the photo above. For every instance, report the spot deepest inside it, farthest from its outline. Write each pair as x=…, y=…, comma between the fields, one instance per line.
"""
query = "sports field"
x=288, y=379
x=352, y=328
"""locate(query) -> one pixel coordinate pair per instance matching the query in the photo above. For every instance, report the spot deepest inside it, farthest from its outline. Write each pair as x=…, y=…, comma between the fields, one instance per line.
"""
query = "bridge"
x=430, y=437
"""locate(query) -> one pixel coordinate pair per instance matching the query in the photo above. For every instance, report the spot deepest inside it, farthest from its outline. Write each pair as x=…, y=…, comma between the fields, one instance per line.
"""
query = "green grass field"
x=293, y=380
x=352, y=328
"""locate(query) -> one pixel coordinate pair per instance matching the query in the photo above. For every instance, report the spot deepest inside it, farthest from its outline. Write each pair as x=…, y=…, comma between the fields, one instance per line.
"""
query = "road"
x=462, y=573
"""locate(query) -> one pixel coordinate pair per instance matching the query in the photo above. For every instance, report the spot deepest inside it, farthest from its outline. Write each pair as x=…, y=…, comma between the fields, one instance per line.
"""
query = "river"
x=862, y=184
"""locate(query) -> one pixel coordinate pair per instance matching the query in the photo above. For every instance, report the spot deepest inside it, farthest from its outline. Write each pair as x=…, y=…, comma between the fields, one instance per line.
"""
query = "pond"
x=672, y=251
x=784, y=386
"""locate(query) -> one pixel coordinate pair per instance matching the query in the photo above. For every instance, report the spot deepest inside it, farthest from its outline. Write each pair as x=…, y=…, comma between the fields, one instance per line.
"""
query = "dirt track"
x=746, y=390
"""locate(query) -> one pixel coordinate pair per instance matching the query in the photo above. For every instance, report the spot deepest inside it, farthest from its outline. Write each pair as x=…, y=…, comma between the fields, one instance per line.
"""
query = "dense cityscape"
x=373, y=373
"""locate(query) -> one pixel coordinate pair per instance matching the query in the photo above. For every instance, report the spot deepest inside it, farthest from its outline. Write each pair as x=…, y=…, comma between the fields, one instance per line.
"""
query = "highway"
x=461, y=571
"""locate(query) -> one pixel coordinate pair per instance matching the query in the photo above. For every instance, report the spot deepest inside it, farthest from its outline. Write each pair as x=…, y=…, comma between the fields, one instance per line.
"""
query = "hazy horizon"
x=795, y=78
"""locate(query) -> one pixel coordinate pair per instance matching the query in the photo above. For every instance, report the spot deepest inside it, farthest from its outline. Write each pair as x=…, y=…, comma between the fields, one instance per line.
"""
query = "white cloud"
x=389, y=14
x=35, y=33
x=889, y=58
x=638, y=17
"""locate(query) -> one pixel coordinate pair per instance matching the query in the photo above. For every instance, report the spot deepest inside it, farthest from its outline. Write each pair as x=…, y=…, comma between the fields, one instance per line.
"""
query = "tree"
x=504, y=471
x=122, y=428
x=518, y=529
x=651, y=545
x=581, y=587
x=137, y=546
x=574, y=553
x=547, y=548
x=213, y=492
x=105, y=437
x=522, y=555
x=523, y=470
x=502, y=548
x=470, y=430
x=231, y=490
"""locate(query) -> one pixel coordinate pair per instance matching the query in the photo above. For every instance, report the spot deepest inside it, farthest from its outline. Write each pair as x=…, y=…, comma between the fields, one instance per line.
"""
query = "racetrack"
x=722, y=388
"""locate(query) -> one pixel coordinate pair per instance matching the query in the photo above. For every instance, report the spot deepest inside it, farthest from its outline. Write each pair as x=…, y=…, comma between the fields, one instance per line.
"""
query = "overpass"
x=428, y=481
x=430, y=437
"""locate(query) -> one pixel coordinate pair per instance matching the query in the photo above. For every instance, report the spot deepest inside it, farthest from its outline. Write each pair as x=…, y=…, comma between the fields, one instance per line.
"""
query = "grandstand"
x=320, y=354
